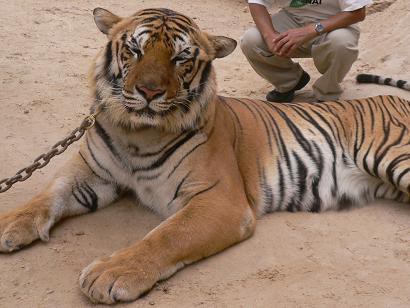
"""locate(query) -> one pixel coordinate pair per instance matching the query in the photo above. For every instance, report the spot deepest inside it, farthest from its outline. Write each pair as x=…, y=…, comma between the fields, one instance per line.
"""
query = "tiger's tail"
x=368, y=78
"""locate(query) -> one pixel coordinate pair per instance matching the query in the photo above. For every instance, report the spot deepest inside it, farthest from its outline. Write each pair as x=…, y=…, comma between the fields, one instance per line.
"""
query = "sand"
x=357, y=258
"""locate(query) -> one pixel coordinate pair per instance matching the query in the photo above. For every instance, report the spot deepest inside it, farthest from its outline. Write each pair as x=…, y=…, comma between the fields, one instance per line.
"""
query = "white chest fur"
x=156, y=167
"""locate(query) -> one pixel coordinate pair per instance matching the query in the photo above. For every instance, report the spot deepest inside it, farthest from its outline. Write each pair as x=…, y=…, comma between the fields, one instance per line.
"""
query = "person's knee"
x=343, y=43
x=250, y=39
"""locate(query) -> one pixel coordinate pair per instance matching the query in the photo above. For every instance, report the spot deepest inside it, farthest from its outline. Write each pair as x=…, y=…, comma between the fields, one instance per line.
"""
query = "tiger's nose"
x=150, y=93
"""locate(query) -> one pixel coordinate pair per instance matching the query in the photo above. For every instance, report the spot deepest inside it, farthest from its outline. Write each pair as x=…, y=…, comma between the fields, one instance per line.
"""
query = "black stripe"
x=149, y=12
x=302, y=172
x=386, y=135
x=393, y=165
x=379, y=158
x=85, y=190
x=108, y=60
x=300, y=138
x=185, y=28
x=106, y=139
x=118, y=58
x=93, y=206
x=195, y=55
x=204, y=78
x=187, y=83
x=149, y=31
x=402, y=174
x=281, y=184
x=182, y=19
x=95, y=159
x=246, y=106
x=275, y=130
x=176, y=194
x=149, y=19
x=237, y=121
x=369, y=101
x=401, y=84
x=174, y=35
x=345, y=202
x=168, y=153
x=168, y=12
x=148, y=154
x=183, y=158
x=365, y=164
x=92, y=170
x=376, y=79
x=361, y=127
x=316, y=205
x=329, y=142
x=387, y=81
x=266, y=190
x=267, y=128
x=74, y=190
x=205, y=190
x=376, y=191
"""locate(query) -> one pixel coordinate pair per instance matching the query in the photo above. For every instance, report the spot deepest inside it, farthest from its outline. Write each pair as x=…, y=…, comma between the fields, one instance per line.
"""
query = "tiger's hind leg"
x=395, y=171
x=386, y=156
x=379, y=143
x=76, y=190
x=392, y=165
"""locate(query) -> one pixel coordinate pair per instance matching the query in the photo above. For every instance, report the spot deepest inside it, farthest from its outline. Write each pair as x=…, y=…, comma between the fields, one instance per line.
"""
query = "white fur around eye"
x=182, y=57
x=141, y=36
x=180, y=43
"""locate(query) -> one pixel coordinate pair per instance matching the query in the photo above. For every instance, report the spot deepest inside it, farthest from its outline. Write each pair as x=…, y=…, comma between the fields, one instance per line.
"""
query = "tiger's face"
x=156, y=69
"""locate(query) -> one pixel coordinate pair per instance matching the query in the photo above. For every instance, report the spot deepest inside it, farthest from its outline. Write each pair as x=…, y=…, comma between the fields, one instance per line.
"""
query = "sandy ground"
x=359, y=258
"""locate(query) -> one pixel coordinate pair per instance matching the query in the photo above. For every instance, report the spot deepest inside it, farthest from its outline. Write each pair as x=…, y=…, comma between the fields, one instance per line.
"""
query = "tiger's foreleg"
x=75, y=190
x=211, y=222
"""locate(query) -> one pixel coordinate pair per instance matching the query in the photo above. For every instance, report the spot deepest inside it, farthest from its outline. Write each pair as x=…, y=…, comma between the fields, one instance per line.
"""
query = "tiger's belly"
x=315, y=187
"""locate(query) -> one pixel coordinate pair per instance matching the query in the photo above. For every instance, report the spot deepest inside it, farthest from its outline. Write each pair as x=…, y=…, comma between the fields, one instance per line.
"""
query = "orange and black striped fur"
x=209, y=164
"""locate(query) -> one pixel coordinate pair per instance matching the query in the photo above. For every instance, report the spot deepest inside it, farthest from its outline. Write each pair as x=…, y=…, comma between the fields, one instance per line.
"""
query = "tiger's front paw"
x=21, y=227
x=119, y=278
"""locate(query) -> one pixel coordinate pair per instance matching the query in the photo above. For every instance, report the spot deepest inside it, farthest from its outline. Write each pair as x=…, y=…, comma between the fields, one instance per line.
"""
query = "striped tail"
x=367, y=78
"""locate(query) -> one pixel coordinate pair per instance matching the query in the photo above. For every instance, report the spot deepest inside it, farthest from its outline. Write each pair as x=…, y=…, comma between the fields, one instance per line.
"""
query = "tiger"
x=209, y=165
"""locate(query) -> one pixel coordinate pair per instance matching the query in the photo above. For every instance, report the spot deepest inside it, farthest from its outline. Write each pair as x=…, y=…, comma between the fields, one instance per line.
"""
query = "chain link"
x=41, y=161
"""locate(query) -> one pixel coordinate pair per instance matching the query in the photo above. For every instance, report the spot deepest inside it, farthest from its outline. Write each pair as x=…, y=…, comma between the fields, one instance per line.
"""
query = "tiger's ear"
x=104, y=19
x=223, y=45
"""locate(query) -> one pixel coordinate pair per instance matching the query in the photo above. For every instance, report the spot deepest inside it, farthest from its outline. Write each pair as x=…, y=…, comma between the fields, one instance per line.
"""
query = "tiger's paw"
x=119, y=278
x=21, y=227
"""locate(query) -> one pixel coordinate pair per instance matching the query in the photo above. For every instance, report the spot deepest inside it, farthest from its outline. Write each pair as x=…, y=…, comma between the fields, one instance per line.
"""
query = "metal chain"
x=41, y=161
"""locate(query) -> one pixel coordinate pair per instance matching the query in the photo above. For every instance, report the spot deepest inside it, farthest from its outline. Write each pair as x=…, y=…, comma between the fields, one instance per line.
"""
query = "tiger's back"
x=320, y=156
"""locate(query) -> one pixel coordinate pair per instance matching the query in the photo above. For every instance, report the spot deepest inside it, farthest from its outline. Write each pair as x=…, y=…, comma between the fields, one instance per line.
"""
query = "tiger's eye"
x=136, y=51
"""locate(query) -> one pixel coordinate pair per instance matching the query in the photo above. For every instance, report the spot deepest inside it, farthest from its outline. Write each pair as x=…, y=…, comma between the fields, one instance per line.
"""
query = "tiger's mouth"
x=149, y=111
x=158, y=106
x=145, y=111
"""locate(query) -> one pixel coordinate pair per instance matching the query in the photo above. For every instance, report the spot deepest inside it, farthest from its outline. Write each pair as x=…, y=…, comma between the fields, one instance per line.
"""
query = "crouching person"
x=325, y=30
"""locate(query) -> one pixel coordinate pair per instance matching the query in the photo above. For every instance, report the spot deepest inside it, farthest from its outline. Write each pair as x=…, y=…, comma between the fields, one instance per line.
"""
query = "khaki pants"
x=333, y=54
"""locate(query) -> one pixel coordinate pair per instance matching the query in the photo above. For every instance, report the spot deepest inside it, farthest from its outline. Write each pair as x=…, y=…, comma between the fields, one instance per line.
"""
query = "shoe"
x=287, y=97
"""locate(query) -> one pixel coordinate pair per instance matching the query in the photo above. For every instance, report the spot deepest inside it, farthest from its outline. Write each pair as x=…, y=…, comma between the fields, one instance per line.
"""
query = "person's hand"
x=287, y=42
x=270, y=41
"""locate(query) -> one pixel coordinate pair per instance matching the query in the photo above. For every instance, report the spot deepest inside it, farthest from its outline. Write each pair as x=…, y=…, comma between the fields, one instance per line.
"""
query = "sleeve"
x=352, y=5
x=265, y=3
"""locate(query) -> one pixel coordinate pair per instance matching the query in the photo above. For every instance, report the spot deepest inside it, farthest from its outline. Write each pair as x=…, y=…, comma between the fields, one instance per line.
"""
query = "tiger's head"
x=156, y=69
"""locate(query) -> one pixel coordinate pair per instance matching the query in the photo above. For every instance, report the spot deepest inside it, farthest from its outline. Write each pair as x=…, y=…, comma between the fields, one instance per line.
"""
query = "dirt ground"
x=358, y=258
